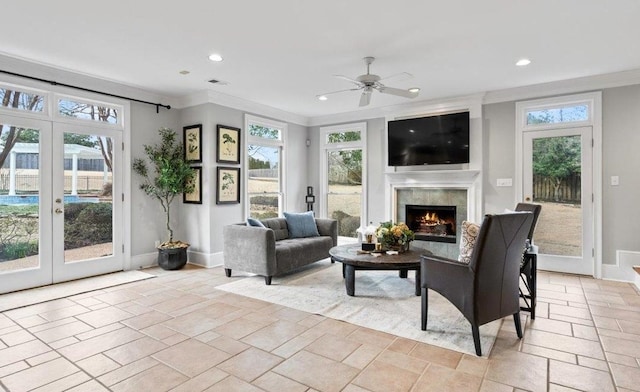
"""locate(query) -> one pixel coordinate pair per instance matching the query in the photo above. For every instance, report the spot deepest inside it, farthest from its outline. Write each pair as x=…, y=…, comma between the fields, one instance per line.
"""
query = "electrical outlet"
x=504, y=182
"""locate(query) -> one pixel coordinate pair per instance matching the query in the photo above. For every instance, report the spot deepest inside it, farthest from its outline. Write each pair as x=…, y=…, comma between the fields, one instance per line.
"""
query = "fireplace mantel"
x=433, y=176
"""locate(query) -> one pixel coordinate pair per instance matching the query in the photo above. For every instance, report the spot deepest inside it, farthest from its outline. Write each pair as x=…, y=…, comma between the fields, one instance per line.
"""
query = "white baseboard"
x=622, y=270
x=144, y=260
x=206, y=260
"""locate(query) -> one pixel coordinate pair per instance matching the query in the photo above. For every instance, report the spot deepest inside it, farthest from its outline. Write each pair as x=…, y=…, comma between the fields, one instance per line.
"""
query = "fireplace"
x=432, y=223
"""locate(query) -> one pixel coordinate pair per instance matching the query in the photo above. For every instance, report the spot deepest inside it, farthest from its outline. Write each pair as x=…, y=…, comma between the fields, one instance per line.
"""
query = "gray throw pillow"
x=254, y=222
x=301, y=224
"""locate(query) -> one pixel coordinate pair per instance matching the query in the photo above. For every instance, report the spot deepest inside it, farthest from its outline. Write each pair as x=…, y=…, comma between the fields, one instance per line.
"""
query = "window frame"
x=325, y=148
x=594, y=120
x=273, y=143
x=46, y=104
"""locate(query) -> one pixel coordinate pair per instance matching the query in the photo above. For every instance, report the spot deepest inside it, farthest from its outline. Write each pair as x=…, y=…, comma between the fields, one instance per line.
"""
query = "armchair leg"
x=516, y=320
x=425, y=307
x=267, y=280
x=475, y=331
x=227, y=271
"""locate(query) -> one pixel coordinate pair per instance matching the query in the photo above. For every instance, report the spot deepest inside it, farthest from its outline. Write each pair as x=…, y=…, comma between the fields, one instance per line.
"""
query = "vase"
x=400, y=248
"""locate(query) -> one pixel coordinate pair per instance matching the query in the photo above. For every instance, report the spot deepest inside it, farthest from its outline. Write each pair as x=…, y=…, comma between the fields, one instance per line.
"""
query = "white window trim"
x=282, y=142
x=325, y=147
x=594, y=102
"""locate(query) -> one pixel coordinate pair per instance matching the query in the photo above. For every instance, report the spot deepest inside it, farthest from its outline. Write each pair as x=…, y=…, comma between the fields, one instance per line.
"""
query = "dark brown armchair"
x=529, y=264
x=486, y=289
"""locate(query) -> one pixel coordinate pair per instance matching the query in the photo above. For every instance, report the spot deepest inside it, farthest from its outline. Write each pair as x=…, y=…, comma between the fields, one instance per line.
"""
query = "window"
x=19, y=99
x=554, y=113
x=85, y=110
x=264, y=163
x=343, y=176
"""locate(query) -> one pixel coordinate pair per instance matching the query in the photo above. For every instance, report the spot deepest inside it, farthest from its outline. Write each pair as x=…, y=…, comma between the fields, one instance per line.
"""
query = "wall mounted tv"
x=434, y=140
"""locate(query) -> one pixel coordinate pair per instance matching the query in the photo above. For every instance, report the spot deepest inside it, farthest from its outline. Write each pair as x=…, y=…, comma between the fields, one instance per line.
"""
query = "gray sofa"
x=270, y=251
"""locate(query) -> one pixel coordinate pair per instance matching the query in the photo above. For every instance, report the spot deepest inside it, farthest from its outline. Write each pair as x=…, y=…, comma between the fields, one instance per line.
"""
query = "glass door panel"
x=86, y=176
x=558, y=177
x=263, y=181
x=344, y=198
x=25, y=205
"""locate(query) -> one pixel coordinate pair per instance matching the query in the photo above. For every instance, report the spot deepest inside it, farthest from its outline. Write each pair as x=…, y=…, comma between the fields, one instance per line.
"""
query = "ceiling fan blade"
x=398, y=77
x=365, y=98
x=339, y=91
x=397, y=91
x=348, y=79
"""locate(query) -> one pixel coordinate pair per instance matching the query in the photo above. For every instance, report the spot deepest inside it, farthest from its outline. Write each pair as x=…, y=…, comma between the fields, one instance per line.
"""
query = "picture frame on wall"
x=195, y=197
x=192, y=137
x=228, y=185
x=228, y=147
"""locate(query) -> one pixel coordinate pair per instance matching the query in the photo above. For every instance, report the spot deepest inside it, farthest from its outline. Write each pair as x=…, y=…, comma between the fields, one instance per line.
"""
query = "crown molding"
x=568, y=86
x=64, y=75
x=208, y=96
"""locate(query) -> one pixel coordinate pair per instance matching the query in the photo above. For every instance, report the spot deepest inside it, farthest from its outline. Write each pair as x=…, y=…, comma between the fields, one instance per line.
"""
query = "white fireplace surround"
x=469, y=180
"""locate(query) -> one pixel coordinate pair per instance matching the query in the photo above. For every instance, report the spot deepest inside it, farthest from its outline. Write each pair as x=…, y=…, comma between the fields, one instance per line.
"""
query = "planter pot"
x=172, y=258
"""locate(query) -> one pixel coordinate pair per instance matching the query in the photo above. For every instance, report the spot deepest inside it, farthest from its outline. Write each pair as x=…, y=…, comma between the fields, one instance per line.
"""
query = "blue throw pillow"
x=254, y=222
x=301, y=224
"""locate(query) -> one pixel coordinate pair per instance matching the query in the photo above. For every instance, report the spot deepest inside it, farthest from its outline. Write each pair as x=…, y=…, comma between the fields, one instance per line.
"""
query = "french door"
x=558, y=171
x=59, y=218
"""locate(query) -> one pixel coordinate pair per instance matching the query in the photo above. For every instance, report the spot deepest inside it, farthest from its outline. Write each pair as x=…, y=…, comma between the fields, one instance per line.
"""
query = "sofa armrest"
x=328, y=227
x=249, y=249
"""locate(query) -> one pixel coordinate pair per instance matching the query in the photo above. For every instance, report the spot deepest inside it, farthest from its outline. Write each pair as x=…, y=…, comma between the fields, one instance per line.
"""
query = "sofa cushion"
x=468, y=238
x=279, y=227
x=254, y=222
x=295, y=253
x=301, y=225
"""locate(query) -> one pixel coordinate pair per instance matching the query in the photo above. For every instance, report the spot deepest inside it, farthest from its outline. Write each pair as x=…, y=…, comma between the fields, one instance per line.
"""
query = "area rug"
x=37, y=295
x=383, y=301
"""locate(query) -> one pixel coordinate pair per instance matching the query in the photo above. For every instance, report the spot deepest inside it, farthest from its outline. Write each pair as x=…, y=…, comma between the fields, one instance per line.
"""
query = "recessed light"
x=523, y=62
x=414, y=90
x=322, y=97
x=184, y=72
x=215, y=57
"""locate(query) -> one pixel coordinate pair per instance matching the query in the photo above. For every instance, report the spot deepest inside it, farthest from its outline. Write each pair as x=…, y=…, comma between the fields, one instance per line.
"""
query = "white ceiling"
x=282, y=53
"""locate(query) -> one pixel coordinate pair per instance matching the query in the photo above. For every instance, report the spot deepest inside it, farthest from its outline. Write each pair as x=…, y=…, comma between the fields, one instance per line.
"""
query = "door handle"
x=58, y=210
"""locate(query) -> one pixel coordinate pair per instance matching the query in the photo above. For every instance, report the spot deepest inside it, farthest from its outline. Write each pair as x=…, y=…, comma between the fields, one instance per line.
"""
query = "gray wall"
x=621, y=140
x=499, y=121
x=147, y=217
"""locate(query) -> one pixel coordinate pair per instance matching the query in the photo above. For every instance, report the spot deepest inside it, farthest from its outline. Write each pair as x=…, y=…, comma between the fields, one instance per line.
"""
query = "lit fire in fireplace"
x=431, y=223
x=431, y=219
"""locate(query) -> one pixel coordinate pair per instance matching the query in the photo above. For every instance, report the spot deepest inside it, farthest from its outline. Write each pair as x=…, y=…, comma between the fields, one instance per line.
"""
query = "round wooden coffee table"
x=352, y=260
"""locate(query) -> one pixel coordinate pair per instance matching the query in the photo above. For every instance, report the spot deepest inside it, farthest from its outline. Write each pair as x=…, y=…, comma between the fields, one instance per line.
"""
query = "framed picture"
x=192, y=135
x=228, y=190
x=228, y=150
x=195, y=197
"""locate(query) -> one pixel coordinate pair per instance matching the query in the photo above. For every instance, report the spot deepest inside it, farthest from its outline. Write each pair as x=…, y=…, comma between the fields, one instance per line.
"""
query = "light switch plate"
x=504, y=182
x=615, y=180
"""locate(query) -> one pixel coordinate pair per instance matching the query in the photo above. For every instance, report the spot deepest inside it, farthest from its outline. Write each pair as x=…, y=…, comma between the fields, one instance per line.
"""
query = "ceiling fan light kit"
x=369, y=82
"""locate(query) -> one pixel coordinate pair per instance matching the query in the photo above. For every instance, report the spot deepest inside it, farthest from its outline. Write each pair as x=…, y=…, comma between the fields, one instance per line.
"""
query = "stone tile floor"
x=177, y=332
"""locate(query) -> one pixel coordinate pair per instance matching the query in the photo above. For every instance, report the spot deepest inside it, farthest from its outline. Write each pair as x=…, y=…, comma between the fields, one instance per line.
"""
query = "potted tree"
x=170, y=175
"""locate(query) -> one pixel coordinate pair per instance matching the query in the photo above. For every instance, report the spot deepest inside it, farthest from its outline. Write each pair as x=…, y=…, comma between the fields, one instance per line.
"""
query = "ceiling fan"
x=369, y=82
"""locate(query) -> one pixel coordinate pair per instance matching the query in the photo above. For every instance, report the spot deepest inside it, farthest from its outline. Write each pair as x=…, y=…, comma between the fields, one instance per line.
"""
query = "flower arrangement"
x=394, y=235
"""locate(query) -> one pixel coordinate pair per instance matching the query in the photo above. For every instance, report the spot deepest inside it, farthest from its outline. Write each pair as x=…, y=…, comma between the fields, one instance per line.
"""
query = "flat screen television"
x=434, y=140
